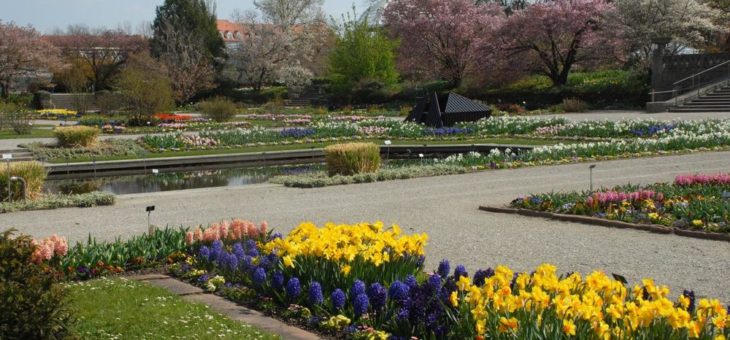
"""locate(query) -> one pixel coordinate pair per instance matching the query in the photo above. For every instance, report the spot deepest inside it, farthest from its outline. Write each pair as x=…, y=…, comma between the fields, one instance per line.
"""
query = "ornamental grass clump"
x=34, y=174
x=218, y=109
x=352, y=158
x=75, y=136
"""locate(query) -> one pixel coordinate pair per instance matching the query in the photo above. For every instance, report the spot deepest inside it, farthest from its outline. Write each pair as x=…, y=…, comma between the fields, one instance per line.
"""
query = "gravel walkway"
x=445, y=208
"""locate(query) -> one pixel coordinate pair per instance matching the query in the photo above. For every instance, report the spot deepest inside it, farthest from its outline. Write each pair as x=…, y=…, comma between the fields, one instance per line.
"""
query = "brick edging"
x=609, y=223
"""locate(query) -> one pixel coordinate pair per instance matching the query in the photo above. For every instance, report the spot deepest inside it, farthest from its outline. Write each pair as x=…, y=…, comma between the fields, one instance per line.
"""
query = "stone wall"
x=674, y=68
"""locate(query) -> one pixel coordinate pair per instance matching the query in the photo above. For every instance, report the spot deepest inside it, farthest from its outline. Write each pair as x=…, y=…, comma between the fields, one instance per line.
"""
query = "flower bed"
x=691, y=202
x=367, y=281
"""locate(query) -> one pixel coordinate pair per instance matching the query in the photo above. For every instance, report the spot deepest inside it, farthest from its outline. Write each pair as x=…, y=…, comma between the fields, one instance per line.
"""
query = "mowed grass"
x=120, y=308
x=34, y=133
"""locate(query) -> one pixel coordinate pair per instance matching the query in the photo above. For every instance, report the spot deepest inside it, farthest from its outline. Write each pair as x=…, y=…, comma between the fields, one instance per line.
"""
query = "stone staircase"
x=19, y=155
x=715, y=101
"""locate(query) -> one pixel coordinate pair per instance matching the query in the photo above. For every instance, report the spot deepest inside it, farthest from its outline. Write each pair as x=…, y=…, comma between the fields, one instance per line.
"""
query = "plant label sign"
x=7, y=156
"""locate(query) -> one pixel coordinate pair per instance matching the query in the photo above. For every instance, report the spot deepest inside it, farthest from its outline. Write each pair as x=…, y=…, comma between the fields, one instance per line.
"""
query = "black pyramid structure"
x=447, y=110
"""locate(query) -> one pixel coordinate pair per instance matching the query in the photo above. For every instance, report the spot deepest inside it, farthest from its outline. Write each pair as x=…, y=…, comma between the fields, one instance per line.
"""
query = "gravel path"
x=445, y=208
x=634, y=114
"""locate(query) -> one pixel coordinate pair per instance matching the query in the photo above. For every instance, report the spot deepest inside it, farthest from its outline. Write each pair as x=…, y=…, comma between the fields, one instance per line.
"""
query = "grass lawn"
x=507, y=141
x=124, y=309
x=34, y=133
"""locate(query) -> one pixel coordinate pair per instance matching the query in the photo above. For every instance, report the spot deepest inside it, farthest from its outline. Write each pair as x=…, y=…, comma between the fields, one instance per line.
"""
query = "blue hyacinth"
x=229, y=261
x=361, y=304
x=444, y=268
x=460, y=271
x=377, y=295
x=480, y=277
x=434, y=281
x=358, y=287
x=338, y=299
x=277, y=280
x=251, y=248
x=238, y=251
x=315, y=293
x=215, y=250
x=690, y=294
x=293, y=288
x=398, y=291
x=259, y=276
x=204, y=253
x=411, y=281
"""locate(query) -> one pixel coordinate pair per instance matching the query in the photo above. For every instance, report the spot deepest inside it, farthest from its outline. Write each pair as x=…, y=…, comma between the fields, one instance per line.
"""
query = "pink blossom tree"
x=441, y=38
x=554, y=36
x=23, y=52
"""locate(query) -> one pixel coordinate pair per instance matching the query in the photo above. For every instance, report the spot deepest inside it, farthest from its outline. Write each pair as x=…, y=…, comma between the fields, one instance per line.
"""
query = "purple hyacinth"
x=277, y=280
x=434, y=281
x=398, y=291
x=204, y=253
x=411, y=281
x=460, y=271
x=238, y=251
x=275, y=236
x=480, y=277
x=259, y=276
x=251, y=248
x=247, y=263
x=229, y=261
x=338, y=299
x=361, y=304
x=444, y=268
x=293, y=288
x=315, y=293
x=403, y=314
x=203, y=278
x=358, y=287
x=377, y=295
x=216, y=249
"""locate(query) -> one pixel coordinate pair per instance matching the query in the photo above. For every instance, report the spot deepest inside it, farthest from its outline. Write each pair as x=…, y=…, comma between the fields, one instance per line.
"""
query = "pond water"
x=176, y=180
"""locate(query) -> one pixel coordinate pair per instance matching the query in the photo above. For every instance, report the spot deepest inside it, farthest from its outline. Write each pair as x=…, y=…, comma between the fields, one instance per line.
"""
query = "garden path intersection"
x=446, y=208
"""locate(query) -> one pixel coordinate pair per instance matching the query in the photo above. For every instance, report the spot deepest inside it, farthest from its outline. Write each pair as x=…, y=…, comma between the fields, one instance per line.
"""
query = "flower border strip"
x=609, y=223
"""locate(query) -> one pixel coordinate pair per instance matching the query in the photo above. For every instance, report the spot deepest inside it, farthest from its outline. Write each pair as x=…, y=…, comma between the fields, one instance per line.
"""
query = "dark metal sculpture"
x=447, y=110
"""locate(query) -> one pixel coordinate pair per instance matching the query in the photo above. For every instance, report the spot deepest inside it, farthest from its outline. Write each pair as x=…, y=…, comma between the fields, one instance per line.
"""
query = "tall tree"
x=288, y=13
x=103, y=51
x=559, y=34
x=23, y=52
x=187, y=41
x=144, y=87
x=362, y=52
x=439, y=38
x=188, y=17
x=686, y=22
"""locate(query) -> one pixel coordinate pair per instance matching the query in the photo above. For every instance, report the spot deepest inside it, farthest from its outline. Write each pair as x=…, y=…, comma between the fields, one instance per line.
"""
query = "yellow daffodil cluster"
x=344, y=243
x=57, y=112
x=592, y=307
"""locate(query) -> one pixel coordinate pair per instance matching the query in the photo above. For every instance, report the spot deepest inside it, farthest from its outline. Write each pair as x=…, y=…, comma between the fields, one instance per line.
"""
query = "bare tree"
x=288, y=13
x=188, y=64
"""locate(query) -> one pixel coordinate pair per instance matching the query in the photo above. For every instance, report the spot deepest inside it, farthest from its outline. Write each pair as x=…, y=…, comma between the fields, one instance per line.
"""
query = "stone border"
x=609, y=223
x=228, y=308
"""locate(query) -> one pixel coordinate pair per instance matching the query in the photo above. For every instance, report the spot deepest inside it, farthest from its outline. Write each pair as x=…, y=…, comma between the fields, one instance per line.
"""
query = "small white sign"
x=387, y=142
x=420, y=155
x=7, y=156
x=155, y=171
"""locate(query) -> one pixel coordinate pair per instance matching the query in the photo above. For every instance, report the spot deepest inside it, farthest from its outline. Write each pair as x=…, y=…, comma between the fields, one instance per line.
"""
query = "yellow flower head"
x=568, y=327
x=506, y=325
x=454, y=299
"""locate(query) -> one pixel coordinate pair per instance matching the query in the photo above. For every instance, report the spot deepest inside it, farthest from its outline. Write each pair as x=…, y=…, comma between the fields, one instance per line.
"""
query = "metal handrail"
x=701, y=72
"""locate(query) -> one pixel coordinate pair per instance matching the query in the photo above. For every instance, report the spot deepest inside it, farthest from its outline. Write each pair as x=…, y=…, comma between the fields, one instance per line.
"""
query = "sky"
x=46, y=15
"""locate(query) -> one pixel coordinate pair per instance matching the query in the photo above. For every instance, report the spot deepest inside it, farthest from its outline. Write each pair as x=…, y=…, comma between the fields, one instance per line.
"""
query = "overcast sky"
x=45, y=15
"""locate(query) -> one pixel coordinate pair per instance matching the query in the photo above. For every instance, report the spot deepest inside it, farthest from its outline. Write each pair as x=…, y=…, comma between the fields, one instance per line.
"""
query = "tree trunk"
x=4, y=90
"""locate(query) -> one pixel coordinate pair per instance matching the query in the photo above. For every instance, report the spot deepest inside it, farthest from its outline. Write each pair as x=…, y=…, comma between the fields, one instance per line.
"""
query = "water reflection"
x=178, y=180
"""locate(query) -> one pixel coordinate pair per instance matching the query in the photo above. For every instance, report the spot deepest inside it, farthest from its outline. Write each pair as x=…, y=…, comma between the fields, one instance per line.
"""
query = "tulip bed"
x=691, y=202
x=367, y=281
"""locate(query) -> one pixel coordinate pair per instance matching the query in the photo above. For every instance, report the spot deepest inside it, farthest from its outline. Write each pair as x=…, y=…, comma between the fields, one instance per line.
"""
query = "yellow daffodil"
x=454, y=299
x=507, y=325
x=568, y=327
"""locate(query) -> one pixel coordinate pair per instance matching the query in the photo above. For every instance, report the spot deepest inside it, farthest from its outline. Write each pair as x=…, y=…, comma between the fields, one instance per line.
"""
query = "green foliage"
x=92, y=120
x=139, y=251
x=144, y=89
x=127, y=309
x=219, y=109
x=322, y=179
x=15, y=116
x=74, y=136
x=363, y=55
x=352, y=158
x=34, y=304
x=104, y=148
x=51, y=201
x=607, y=88
x=34, y=174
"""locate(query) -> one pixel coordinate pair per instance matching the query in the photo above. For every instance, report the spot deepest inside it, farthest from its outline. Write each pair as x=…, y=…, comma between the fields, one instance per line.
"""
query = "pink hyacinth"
x=684, y=180
x=198, y=234
x=189, y=238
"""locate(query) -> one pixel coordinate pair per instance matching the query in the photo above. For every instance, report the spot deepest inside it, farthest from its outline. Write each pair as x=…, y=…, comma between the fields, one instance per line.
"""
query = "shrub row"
x=52, y=201
x=322, y=179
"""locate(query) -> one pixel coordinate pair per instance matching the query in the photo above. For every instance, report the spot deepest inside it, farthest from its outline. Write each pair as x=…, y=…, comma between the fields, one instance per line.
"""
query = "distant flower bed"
x=171, y=117
x=692, y=202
